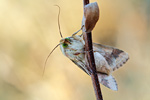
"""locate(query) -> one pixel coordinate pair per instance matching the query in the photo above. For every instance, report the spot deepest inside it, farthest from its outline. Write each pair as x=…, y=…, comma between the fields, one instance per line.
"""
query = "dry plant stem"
x=90, y=57
x=92, y=68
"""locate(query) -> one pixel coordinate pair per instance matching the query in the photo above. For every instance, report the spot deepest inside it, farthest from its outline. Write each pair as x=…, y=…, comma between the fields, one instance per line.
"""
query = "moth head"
x=65, y=42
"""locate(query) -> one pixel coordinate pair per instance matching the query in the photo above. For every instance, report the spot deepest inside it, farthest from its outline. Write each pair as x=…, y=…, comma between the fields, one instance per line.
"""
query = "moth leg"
x=77, y=31
x=81, y=35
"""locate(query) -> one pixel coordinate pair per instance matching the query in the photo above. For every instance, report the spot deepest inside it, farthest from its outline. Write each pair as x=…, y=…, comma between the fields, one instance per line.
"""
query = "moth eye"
x=65, y=45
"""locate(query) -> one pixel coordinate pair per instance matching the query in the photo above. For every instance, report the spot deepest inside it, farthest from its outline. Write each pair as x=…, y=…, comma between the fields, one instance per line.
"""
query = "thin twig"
x=90, y=57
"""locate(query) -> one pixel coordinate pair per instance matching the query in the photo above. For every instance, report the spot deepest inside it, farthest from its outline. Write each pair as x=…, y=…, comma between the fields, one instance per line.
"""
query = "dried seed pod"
x=91, y=16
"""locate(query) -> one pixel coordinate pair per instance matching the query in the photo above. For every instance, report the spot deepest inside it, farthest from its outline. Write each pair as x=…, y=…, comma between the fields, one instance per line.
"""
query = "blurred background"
x=29, y=31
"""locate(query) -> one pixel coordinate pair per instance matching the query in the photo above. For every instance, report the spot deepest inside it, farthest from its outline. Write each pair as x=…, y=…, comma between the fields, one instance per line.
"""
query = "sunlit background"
x=29, y=31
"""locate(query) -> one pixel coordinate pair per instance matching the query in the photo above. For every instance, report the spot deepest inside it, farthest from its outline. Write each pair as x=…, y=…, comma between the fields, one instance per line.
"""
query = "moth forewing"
x=74, y=51
x=114, y=57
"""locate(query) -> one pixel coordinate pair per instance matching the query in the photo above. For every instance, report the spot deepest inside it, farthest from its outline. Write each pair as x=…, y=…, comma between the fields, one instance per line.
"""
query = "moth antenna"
x=59, y=22
x=47, y=59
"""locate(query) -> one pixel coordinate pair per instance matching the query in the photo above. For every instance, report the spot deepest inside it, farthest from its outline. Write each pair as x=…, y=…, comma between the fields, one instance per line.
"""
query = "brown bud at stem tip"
x=91, y=16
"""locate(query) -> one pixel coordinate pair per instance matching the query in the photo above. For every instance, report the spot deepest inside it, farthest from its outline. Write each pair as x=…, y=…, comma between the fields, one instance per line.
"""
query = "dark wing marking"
x=115, y=57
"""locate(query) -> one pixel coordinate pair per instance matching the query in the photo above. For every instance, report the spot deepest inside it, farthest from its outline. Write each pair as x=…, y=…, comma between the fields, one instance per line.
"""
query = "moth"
x=107, y=58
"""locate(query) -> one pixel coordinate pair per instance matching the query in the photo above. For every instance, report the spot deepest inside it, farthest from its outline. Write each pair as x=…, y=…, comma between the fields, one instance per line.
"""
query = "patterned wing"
x=115, y=57
x=81, y=65
x=108, y=81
